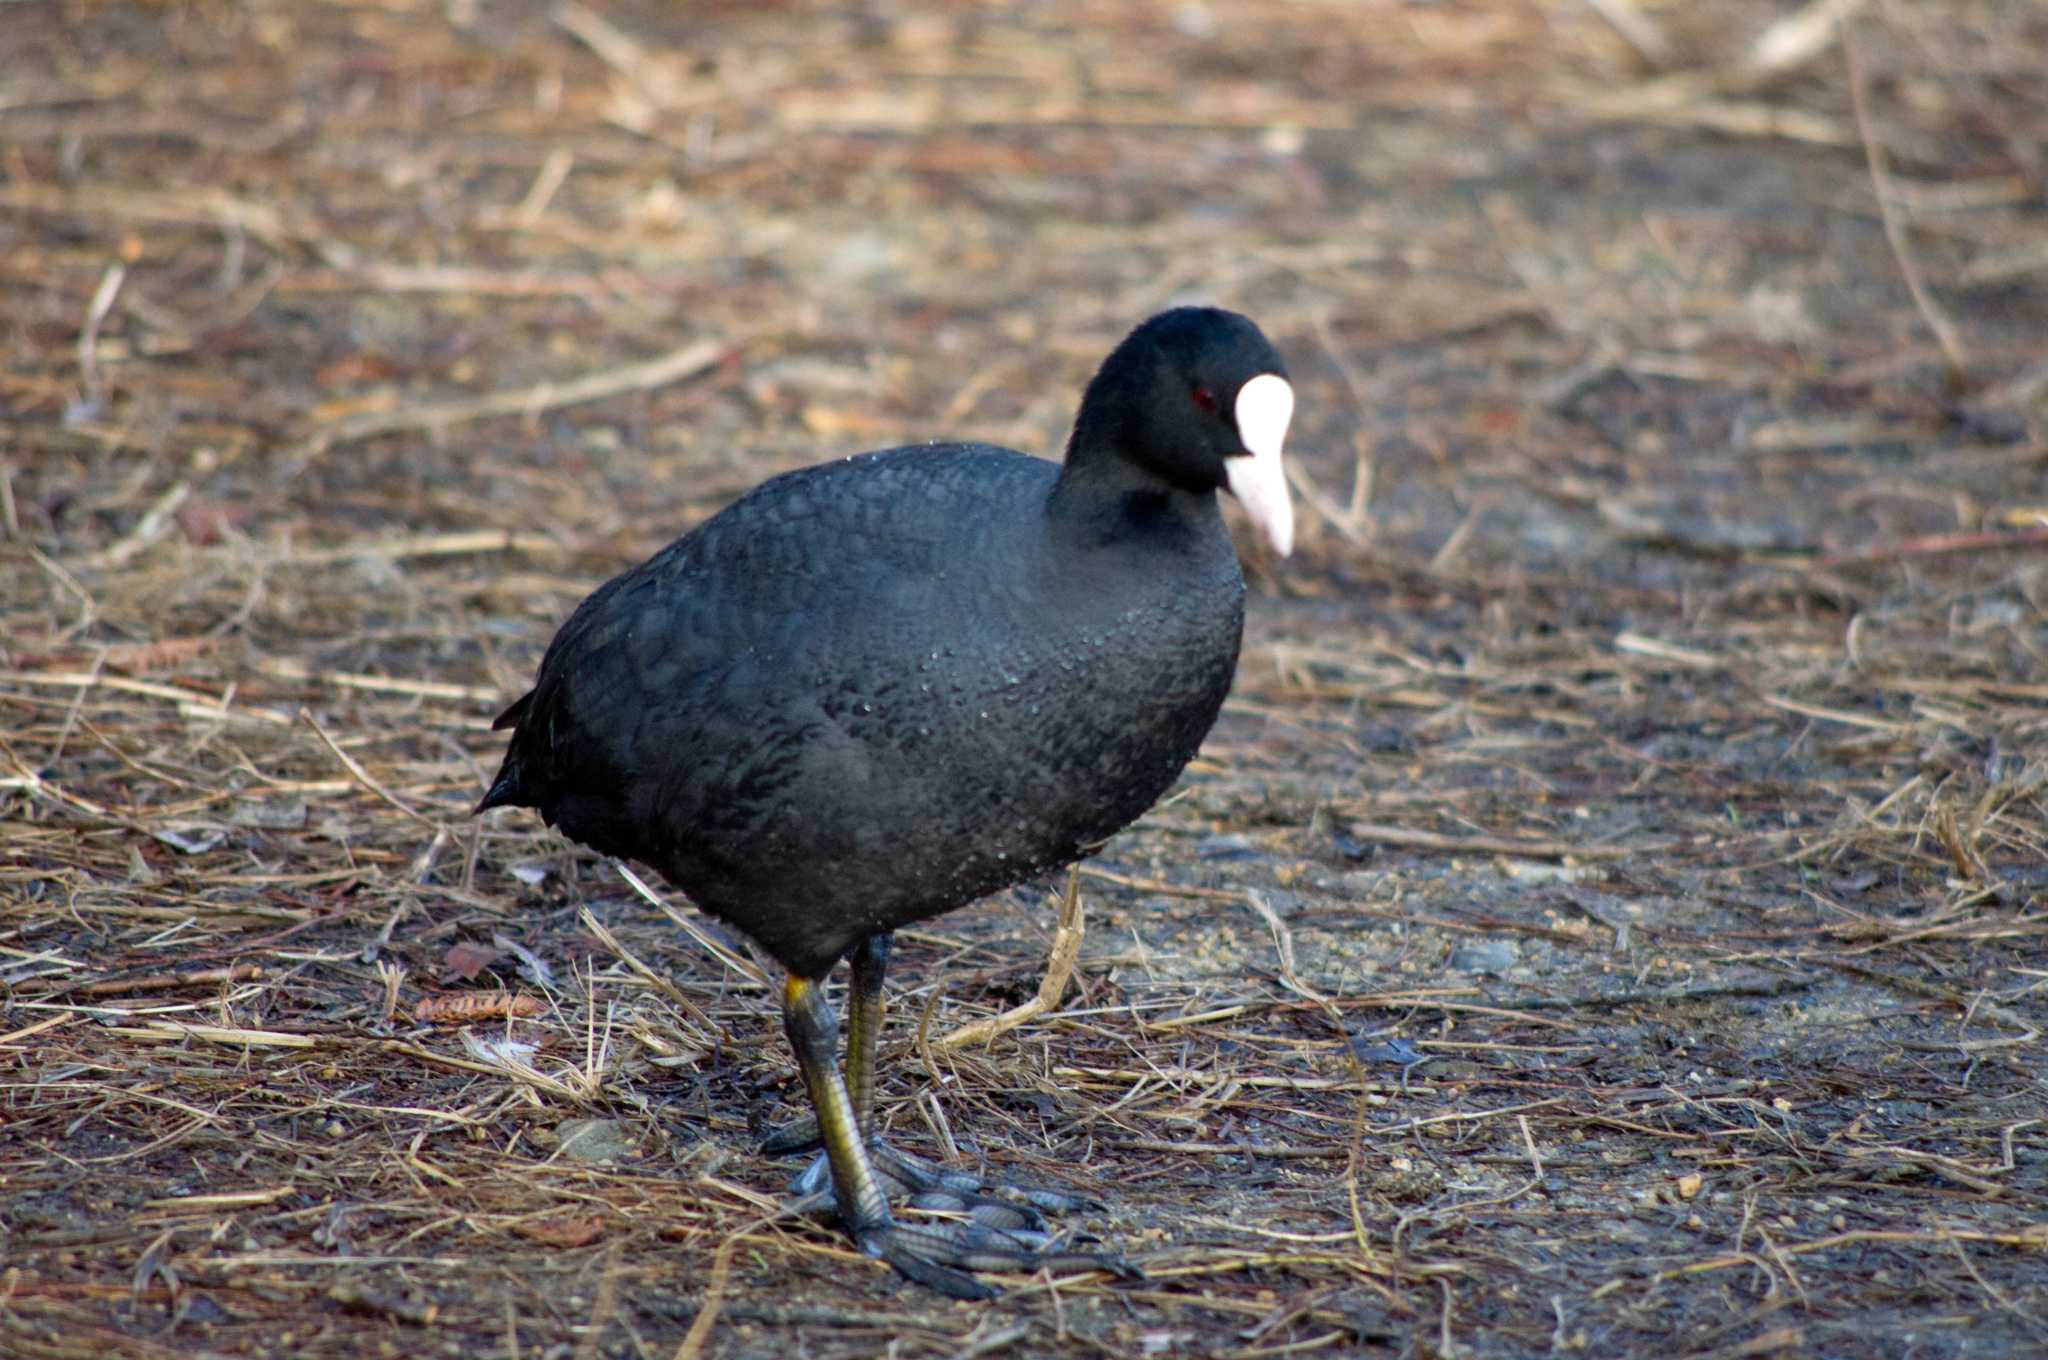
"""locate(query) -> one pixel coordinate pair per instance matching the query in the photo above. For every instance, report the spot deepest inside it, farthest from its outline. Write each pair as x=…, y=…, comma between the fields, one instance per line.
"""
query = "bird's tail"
x=508, y=789
x=504, y=791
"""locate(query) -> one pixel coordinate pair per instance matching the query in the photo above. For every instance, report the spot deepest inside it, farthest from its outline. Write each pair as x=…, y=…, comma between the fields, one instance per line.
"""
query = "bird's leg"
x=929, y=1184
x=814, y=1034
x=939, y=1256
x=901, y=1170
x=870, y=961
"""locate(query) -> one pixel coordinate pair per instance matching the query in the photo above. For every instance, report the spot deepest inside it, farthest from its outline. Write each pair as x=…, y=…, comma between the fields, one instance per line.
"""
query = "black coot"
x=873, y=691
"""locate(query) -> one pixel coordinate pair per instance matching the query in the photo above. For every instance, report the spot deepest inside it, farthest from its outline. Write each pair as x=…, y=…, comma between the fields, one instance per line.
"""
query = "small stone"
x=596, y=1142
x=1225, y=847
x=1485, y=956
x=270, y=814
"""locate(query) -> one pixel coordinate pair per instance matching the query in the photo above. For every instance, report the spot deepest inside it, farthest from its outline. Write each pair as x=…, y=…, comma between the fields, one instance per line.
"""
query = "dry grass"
x=1609, y=919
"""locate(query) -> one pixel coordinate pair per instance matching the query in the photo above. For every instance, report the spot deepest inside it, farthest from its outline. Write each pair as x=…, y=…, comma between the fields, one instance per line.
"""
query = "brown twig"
x=1487, y=845
x=1937, y=320
x=363, y=776
x=1059, y=968
x=1938, y=545
x=693, y=1342
x=687, y=361
x=157, y=982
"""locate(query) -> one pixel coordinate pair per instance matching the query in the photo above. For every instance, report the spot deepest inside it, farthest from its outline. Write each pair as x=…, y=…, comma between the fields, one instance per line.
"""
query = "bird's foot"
x=965, y=1224
x=944, y=1255
x=799, y=1136
x=927, y=1185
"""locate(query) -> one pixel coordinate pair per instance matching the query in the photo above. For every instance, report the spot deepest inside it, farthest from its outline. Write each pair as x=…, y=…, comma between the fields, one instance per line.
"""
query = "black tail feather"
x=511, y=716
x=507, y=789
x=504, y=792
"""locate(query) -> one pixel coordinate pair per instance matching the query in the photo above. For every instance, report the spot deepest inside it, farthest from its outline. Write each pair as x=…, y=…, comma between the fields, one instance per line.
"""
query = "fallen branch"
x=1059, y=968
x=1880, y=182
x=1484, y=845
x=1938, y=545
x=691, y=359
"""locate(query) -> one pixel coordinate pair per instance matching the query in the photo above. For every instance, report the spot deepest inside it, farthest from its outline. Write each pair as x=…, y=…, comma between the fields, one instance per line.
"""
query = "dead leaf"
x=358, y=366
x=465, y=960
x=563, y=1230
x=206, y=521
x=375, y=402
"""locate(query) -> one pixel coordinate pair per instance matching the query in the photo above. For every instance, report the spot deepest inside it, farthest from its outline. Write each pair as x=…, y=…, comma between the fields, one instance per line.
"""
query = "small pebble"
x=1485, y=956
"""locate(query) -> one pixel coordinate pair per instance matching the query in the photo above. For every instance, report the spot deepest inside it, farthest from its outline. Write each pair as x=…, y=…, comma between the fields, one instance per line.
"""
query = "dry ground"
x=1607, y=921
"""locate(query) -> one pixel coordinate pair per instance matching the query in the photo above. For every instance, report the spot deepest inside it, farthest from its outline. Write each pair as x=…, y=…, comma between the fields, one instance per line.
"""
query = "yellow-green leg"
x=988, y=1234
x=869, y=962
x=814, y=1034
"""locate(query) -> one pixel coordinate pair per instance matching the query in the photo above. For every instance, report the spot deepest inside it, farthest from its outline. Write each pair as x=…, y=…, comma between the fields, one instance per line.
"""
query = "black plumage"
x=875, y=690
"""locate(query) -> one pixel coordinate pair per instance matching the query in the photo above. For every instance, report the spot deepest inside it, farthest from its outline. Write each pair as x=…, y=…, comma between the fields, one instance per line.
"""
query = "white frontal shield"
x=1265, y=405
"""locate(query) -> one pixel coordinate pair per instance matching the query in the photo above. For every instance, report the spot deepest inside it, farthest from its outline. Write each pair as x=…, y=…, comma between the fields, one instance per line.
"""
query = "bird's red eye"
x=1204, y=399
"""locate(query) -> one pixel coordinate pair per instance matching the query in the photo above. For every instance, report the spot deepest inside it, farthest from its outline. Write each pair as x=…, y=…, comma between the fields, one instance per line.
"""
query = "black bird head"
x=1199, y=398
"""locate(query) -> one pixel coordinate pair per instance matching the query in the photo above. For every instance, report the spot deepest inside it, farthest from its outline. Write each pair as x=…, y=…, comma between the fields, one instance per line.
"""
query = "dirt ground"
x=1608, y=920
